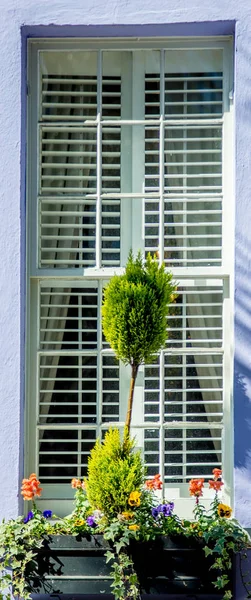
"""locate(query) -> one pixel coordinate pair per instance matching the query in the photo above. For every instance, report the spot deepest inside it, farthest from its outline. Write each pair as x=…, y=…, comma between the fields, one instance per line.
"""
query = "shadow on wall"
x=242, y=383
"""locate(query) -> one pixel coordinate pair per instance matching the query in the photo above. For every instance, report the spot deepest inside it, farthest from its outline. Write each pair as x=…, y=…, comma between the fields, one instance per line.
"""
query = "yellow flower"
x=133, y=527
x=224, y=510
x=79, y=522
x=127, y=515
x=134, y=499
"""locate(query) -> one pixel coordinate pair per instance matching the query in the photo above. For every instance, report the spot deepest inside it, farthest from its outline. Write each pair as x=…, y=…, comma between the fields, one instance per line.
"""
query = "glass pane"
x=68, y=85
x=191, y=453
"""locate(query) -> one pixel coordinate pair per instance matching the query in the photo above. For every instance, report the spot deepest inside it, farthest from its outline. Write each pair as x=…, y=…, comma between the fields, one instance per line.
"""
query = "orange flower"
x=196, y=487
x=155, y=483
x=215, y=485
x=30, y=487
x=76, y=483
x=217, y=473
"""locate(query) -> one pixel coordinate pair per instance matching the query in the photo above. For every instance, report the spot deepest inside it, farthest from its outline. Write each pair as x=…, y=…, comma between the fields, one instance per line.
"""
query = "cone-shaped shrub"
x=134, y=312
x=115, y=470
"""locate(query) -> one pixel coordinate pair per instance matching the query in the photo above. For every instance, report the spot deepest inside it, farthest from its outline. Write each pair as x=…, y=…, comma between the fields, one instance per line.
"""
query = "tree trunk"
x=130, y=399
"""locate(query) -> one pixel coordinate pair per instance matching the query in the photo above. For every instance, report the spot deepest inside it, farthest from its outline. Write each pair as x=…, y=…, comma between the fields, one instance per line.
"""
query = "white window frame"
x=206, y=275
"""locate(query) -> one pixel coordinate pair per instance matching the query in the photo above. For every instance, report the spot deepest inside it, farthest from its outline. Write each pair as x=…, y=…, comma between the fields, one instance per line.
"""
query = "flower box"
x=242, y=575
x=166, y=569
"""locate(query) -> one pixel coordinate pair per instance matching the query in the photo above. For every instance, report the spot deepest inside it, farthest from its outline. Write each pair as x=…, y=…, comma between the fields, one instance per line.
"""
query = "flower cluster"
x=77, y=484
x=155, y=483
x=196, y=487
x=216, y=483
x=31, y=487
x=47, y=514
x=163, y=509
x=143, y=518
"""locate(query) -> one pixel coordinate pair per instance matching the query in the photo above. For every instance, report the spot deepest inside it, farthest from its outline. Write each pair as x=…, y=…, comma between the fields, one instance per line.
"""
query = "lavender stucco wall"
x=110, y=17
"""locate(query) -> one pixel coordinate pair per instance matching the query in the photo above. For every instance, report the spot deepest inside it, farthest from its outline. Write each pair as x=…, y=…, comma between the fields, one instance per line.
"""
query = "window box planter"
x=242, y=575
x=166, y=568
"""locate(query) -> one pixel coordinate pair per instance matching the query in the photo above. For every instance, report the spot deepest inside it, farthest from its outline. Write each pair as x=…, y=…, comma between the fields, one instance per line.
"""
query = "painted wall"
x=20, y=18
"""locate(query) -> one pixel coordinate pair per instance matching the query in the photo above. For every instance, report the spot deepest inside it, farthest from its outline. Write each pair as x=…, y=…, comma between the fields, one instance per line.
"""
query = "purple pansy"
x=47, y=514
x=155, y=513
x=166, y=509
x=29, y=516
x=91, y=522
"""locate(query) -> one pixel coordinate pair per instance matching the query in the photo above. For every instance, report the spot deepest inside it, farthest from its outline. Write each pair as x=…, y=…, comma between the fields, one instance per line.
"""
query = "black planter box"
x=167, y=569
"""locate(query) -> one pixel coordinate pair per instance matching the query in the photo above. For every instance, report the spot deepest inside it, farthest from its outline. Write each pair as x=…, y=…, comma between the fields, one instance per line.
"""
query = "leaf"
x=119, y=545
x=109, y=556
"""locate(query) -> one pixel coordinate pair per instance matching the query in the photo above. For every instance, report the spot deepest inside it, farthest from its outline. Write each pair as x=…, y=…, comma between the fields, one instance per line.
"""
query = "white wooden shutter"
x=69, y=180
x=78, y=380
x=191, y=165
x=184, y=389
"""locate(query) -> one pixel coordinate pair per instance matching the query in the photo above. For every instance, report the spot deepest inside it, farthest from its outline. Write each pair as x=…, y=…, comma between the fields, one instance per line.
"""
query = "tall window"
x=128, y=147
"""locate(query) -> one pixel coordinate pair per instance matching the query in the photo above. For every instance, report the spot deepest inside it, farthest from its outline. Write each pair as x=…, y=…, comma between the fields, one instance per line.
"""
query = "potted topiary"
x=120, y=538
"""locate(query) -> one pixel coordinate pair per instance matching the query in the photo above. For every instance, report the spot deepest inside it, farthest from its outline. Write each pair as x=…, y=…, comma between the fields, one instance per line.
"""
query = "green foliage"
x=135, y=308
x=125, y=584
x=114, y=471
x=222, y=538
x=19, y=544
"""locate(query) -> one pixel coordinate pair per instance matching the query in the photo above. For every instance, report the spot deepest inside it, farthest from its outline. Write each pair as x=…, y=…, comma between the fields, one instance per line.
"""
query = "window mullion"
x=99, y=163
x=138, y=145
x=161, y=156
x=99, y=391
x=126, y=159
x=79, y=383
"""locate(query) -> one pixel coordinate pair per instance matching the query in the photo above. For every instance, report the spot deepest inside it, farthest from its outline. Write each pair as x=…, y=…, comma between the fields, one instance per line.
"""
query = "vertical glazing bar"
x=227, y=160
x=185, y=131
x=99, y=359
x=99, y=162
x=161, y=156
x=227, y=374
x=161, y=417
x=184, y=386
x=38, y=378
x=161, y=255
x=79, y=383
x=138, y=145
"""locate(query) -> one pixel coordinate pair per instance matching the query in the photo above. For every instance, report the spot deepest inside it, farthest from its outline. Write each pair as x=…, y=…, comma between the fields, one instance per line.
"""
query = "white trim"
x=132, y=43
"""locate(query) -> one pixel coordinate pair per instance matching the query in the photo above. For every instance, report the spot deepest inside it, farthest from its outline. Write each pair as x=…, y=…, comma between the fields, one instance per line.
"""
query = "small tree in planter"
x=134, y=319
x=135, y=310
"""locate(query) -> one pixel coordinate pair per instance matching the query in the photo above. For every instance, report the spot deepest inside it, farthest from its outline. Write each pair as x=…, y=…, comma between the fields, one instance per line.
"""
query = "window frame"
x=209, y=274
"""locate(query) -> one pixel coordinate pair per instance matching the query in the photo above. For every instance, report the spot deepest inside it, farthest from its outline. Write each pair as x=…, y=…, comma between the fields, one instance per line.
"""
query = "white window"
x=129, y=147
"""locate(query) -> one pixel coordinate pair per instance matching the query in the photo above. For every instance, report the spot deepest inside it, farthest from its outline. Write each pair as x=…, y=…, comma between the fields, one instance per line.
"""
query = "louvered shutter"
x=192, y=166
x=74, y=367
x=68, y=170
x=191, y=377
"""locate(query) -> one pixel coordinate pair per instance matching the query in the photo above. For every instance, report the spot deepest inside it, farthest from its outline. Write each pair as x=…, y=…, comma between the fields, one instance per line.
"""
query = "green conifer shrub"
x=115, y=470
x=134, y=314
